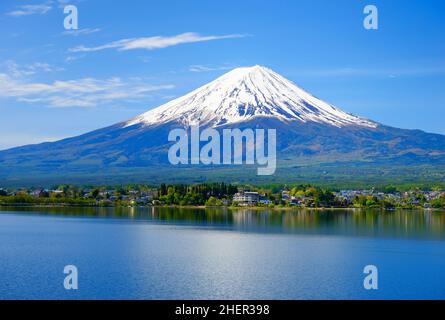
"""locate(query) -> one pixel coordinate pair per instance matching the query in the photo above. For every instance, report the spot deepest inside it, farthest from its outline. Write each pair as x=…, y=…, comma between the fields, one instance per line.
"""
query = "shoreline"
x=233, y=208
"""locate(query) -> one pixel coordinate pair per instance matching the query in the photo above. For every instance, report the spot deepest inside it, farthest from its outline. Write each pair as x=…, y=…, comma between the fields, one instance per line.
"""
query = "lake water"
x=164, y=253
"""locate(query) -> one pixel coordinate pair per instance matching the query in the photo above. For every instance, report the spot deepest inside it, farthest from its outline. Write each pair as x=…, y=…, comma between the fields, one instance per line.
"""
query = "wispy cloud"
x=204, y=68
x=145, y=59
x=80, y=32
x=85, y=92
x=157, y=42
x=30, y=9
x=70, y=59
x=17, y=71
x=63, y=3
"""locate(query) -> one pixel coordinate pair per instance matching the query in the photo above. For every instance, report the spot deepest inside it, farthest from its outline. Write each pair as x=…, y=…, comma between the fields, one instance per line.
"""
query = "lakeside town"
x=221, y=194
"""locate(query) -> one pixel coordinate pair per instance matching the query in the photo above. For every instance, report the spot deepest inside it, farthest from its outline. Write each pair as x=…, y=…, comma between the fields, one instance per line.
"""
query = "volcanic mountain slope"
x=310, y=133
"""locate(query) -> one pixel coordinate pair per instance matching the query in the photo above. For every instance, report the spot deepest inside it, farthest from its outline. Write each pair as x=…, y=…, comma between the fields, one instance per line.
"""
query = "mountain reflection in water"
x=398, y=223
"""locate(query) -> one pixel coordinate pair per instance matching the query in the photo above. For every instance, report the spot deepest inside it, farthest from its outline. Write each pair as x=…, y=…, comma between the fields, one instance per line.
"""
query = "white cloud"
x=28, y=70
x=157, y=42
x=145, y=59
x=203, y=68
x=73, y=58
x=80, y=32
x=30, y=9
x=86, y=92
x=63, y=3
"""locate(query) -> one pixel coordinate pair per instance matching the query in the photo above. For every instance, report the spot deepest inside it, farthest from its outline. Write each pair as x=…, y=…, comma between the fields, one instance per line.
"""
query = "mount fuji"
x=315, y=141
x=246, y=93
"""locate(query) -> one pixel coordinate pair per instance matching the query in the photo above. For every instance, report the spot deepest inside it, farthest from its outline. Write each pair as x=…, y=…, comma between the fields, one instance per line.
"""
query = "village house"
x=246, y=198
x=285, y=195
x=264, y=200
x=57, y=192
x=149, y=195
x=36, y=192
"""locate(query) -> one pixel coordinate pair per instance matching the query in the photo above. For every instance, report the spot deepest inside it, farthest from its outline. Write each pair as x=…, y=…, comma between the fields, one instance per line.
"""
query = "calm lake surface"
x=165, y=253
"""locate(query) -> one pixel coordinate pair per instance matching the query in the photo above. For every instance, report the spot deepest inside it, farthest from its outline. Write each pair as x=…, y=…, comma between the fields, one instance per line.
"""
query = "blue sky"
x=130, y=56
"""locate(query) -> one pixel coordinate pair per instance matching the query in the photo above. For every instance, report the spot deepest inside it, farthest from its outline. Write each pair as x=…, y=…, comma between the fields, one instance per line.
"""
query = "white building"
x=246, y=198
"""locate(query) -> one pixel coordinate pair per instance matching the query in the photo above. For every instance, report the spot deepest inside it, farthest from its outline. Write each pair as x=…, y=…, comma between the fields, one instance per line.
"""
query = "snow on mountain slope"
x=244, y=93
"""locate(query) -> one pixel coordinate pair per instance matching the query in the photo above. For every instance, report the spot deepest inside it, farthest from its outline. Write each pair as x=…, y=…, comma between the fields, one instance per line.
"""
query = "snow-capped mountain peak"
x=245, y=93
